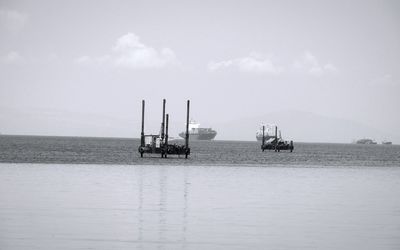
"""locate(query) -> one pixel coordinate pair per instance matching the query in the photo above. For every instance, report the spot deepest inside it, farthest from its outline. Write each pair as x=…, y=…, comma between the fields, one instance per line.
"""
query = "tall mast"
x=142, y=133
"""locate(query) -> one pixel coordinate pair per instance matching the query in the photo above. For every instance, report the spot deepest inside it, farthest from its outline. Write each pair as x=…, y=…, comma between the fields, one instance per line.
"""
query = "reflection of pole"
x=162, y=207
x=185, y=205
x=142, y=134
x=140, y=207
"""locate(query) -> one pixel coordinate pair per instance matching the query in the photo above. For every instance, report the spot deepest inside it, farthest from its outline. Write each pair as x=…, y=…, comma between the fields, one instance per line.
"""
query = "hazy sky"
x=83, y=67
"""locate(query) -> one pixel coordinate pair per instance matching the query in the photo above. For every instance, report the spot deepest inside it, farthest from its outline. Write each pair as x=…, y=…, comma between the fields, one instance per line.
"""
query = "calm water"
x=75, y=150
x=228, y=195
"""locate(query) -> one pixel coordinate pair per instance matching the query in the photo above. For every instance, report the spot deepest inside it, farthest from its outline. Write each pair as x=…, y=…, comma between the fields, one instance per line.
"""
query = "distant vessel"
x=269, y=132
x=366, y=141
x=387, y=143
x=274, y=142
x=197, y=133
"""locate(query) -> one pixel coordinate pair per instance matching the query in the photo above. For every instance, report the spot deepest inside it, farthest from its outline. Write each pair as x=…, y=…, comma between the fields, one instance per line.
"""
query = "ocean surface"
x=97, y=193
x=81, y=150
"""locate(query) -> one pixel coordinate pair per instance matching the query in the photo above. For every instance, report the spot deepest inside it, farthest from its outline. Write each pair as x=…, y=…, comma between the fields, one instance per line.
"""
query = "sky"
x=81, y=68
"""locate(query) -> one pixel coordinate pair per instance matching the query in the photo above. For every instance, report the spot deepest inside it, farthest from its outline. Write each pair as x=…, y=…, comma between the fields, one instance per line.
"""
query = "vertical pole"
x=187, y=125
x=263, y=138
x=276, y=138
x=142, y=134
x=163, y=121
x=166, y=137
x=187, y=149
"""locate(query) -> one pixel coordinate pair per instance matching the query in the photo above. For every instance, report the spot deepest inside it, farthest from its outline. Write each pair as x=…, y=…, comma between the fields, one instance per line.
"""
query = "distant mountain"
x=295, y=125
x=304, y=127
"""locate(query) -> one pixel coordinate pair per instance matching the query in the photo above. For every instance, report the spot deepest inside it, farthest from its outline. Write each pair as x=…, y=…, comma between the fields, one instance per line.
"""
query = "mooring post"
x=163, y=121
x=166, y=138
x=142, y=133
x=187, y=129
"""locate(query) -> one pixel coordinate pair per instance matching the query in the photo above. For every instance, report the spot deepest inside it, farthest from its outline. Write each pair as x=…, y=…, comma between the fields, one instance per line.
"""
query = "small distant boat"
x=386, y=142
x=366, y=141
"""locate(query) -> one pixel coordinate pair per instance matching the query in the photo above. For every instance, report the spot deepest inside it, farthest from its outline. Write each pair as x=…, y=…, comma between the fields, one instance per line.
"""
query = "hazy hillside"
x=302, y=126
x=295, y=125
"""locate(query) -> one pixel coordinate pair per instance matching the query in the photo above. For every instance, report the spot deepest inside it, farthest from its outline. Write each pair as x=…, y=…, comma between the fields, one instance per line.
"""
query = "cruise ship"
x=197, y=133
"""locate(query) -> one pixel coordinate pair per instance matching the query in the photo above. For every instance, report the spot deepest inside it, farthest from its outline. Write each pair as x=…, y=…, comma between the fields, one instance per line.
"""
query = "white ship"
x=269, y=132
x=366, y=141
x=197, y=133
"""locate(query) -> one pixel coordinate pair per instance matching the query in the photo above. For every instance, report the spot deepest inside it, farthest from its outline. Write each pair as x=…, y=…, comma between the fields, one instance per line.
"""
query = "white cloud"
x=130, y=52
x=309, y=64
x=252, y=63
x=12, y=20
x=12, y=57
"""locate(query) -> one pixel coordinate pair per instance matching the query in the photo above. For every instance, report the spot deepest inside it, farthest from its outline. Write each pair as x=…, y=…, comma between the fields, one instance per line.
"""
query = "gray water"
x=228, y=195
x=80, y=150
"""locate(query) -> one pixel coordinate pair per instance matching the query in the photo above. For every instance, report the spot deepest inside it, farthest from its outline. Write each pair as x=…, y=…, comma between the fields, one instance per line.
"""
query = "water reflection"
x=185, y=206
x=162, y=207
x=162, y=219
x=140, y=208
x=147, y=207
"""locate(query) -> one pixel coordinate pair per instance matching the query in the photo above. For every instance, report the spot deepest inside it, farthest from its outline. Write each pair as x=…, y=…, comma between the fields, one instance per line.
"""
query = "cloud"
x=12, y=57
x=309, y=64
x=12, y=20
x=251, y=63
x=130, y=52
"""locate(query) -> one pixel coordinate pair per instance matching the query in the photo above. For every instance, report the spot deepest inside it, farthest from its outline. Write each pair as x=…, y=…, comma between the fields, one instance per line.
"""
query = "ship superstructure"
x=269, y=132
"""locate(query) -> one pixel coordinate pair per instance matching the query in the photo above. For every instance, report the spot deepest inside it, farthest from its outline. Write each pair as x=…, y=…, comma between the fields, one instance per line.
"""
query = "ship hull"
x=199, y=137
x=259, y=138
x=366, y=141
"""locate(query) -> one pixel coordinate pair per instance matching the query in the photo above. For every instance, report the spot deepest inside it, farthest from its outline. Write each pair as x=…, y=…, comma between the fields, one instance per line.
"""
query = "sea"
x=97, y=193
